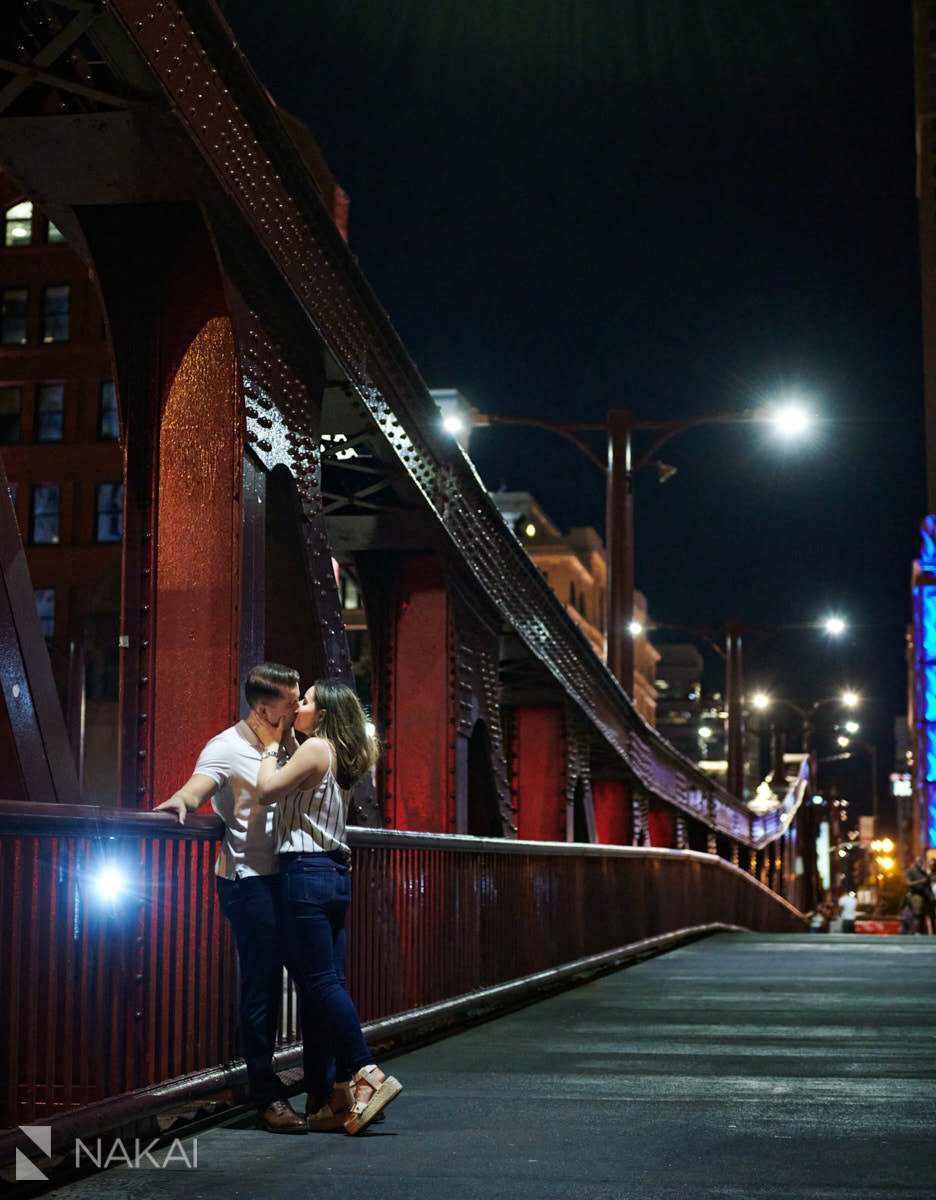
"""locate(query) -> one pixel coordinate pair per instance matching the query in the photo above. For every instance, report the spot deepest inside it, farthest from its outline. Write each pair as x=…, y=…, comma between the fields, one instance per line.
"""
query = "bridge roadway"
x=742, y=1066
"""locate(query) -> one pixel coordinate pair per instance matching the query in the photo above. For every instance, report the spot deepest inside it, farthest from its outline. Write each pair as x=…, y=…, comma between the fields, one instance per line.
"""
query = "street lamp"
x=734, y=634
x=847, y=744
x=620, y=467
x=848, y=698
x=790, y=420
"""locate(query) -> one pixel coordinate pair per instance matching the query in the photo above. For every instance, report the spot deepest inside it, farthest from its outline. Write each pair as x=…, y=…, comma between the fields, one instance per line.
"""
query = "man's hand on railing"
x=189, y=797
x=175, y=804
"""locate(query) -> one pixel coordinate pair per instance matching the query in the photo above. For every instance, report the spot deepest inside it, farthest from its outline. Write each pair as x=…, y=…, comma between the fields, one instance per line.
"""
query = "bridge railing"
x=120, y=975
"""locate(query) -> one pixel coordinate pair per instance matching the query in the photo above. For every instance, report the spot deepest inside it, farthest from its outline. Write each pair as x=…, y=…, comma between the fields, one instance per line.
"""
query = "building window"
x=54, y=234
x=108, y=416
x=45, y=609
x=45, y=516
x=18, y=230
x=56, y=301
x=14, y=312
x=109, y=526
x=11, y=405
x=50, y=412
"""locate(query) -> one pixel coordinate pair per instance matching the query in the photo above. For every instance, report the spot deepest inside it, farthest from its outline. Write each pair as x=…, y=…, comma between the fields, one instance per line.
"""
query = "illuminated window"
x=108, y=416
x=109, y=527
x=45, y=609
x=50, y=412
x=54, y=234
x=56, y=302
x=11, y=404
x=18, y=225
x=45, y=514
x=14, y=311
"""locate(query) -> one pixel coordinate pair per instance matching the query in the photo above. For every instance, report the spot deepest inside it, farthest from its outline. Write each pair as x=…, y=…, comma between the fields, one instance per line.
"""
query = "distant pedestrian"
x=848, y=907
x=921, y=896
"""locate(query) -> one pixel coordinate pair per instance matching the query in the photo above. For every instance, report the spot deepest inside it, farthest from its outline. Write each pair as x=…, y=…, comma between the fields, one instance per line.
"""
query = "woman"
x=310, y=790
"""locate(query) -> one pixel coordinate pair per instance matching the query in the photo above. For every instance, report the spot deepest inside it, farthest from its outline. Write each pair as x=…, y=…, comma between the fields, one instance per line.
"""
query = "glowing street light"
x=790, y=420
x=635, y=628
x=850, y=698
x=852, y=727
x=453, y=424
x=761, y=701
x=109, y=883
x=835, y=625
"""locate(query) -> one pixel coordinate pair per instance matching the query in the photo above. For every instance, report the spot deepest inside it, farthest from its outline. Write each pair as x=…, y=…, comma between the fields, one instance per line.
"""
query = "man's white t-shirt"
x=848, y=905
x=232, y=760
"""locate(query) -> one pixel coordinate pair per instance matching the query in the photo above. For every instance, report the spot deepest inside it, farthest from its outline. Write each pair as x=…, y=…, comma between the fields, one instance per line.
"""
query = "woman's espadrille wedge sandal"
x=371, y=1096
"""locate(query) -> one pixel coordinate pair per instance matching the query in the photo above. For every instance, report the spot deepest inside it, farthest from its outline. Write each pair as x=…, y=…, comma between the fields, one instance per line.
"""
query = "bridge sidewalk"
x=742, y=1066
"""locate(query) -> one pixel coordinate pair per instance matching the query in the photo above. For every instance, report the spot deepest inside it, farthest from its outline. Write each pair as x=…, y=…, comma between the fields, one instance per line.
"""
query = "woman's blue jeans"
x=316, y=895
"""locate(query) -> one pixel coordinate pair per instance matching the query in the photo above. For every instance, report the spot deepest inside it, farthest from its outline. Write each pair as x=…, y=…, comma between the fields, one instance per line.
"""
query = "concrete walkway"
x=742, y=1066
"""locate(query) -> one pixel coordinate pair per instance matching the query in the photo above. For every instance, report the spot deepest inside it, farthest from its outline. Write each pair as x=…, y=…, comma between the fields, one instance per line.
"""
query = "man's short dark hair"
x=267, y=682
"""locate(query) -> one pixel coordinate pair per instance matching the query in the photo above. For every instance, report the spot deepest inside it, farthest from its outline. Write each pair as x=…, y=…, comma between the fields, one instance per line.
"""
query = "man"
x=247, y=879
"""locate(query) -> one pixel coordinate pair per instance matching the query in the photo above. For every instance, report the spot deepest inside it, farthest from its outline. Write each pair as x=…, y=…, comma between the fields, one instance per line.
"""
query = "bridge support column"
x=409, y=617
x=539, y=772
x=178, y=385
x=661, y=826
x=613, y=815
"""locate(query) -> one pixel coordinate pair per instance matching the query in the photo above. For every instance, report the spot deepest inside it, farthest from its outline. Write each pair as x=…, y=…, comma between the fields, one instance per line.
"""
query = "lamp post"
x=731, y=653
x=620, y=467
x=848, y=698
x=871, y=749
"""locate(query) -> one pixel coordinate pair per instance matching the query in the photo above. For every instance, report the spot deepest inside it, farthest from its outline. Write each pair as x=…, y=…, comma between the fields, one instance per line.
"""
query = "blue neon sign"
x=924, y=620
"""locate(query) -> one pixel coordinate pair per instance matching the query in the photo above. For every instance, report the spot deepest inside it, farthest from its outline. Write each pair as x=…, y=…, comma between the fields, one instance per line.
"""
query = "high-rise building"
x=923, y=639
x=924, y=16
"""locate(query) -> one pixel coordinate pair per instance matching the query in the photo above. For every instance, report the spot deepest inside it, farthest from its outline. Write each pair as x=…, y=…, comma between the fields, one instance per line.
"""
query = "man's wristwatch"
x=270, y=753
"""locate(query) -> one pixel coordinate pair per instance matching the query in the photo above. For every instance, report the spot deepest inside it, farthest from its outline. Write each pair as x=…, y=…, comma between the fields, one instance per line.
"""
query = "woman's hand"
x=269, y=735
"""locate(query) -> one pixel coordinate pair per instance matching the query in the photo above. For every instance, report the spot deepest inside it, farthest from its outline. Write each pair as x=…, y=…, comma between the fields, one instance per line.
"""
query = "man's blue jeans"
x=251, y=903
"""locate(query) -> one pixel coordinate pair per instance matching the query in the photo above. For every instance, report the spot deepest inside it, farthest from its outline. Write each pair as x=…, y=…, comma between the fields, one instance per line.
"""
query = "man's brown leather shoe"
x=280, y=1118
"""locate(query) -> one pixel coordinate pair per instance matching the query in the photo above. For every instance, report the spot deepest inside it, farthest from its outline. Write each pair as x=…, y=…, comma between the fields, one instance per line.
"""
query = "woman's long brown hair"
x=344, y=724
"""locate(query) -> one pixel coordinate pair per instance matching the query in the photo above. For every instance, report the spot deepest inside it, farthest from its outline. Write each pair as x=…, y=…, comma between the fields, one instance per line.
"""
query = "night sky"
x=675, y=206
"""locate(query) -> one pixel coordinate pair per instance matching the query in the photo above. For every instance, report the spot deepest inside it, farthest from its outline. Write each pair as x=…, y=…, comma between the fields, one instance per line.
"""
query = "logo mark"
x=41, y=1136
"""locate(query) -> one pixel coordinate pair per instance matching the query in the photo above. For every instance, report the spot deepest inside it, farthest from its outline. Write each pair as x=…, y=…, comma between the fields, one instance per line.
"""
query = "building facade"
x=575, y=567
x=60, y=441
